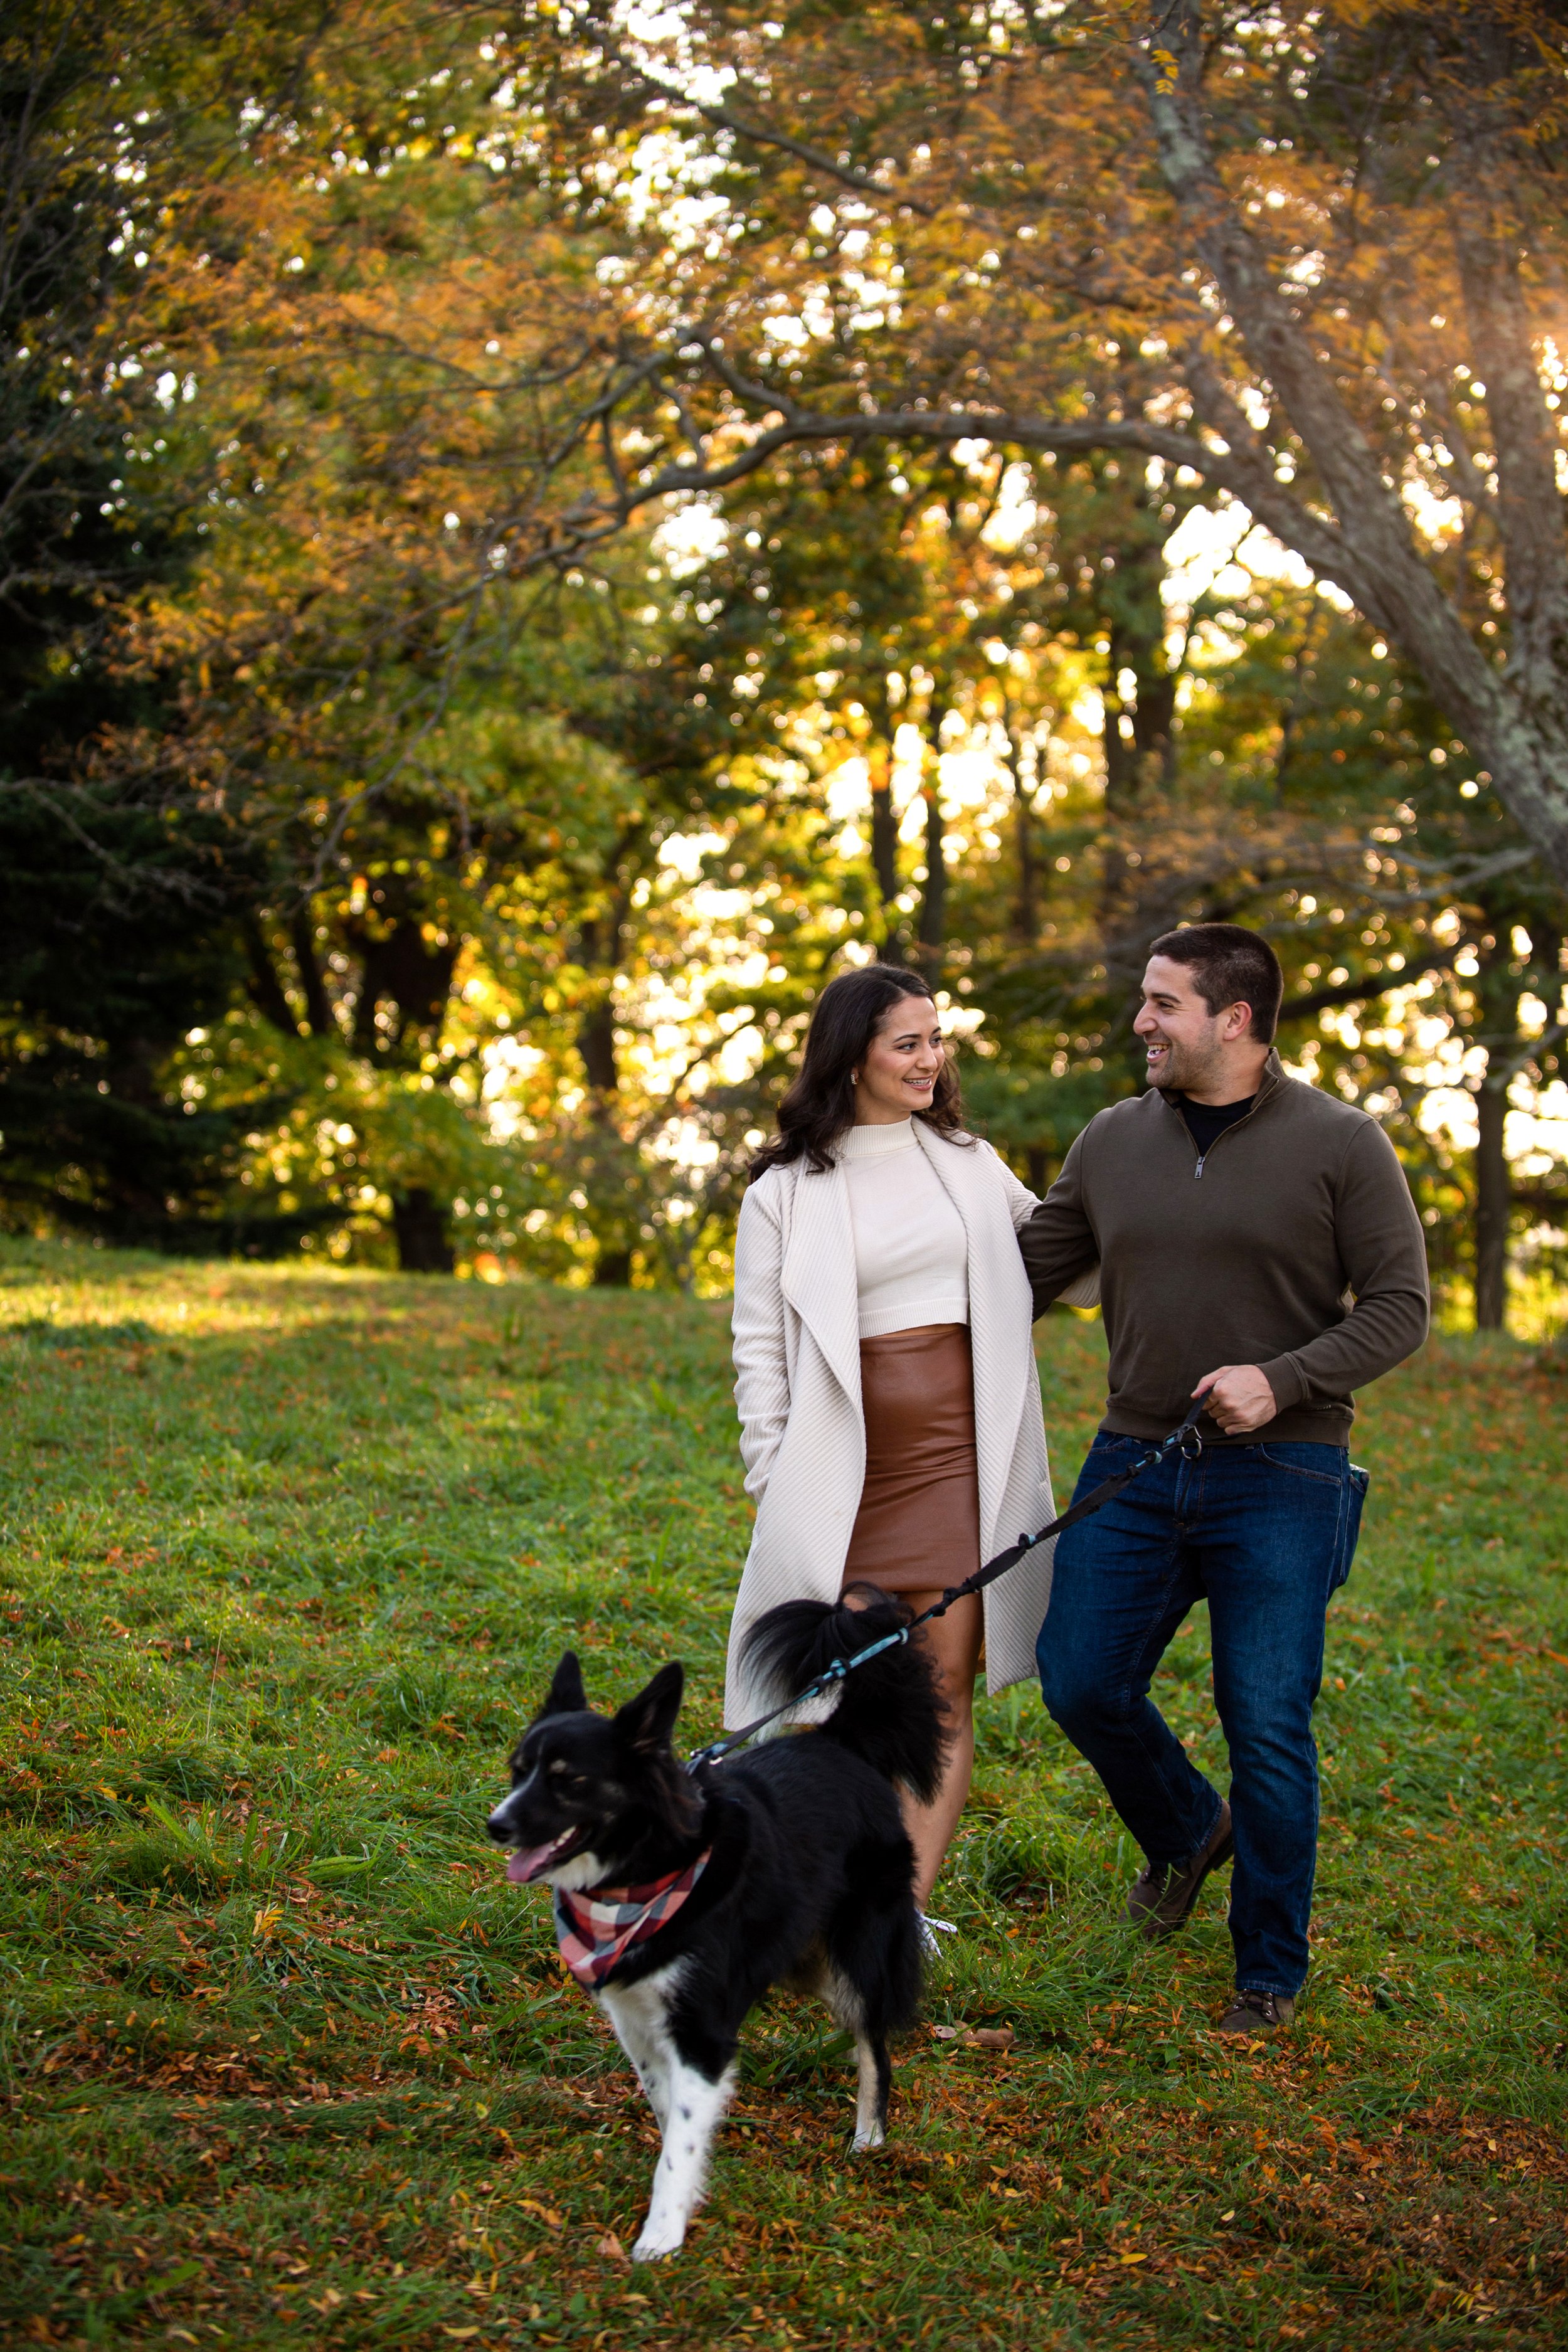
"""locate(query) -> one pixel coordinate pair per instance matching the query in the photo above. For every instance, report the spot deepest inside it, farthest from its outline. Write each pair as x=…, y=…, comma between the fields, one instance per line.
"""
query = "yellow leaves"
x=264, y=1924
x=531, y=2205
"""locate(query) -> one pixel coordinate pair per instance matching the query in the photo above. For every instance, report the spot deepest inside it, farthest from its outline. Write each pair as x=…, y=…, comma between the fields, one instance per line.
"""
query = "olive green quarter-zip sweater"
x=1291, y=1243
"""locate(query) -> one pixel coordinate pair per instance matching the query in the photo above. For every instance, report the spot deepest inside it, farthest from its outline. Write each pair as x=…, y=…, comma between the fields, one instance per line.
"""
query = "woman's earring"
x=854, y=1077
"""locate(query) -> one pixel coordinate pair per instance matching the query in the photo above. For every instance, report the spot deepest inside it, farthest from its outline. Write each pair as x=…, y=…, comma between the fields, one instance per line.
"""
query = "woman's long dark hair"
x=820, y=1104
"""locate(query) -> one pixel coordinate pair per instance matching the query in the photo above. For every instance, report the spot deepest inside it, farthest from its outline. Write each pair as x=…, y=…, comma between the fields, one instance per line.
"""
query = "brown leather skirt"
x=918, y=1529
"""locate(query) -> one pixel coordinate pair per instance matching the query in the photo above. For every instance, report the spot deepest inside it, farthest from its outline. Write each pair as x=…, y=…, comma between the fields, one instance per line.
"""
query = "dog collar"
x=596, y=1931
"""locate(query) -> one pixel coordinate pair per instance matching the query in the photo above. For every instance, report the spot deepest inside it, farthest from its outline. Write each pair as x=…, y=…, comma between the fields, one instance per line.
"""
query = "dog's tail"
x=890, y=1711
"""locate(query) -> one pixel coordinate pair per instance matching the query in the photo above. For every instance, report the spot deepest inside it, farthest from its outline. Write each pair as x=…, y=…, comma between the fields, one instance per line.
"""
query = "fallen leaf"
x=611, y=2245
x=989, y=2037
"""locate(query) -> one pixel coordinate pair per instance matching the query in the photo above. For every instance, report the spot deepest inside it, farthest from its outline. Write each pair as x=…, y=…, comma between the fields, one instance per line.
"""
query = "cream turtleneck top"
x=911, y=1251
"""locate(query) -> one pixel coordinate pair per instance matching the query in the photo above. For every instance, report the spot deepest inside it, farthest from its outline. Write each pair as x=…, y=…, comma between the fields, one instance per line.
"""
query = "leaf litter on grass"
x=285, y=2063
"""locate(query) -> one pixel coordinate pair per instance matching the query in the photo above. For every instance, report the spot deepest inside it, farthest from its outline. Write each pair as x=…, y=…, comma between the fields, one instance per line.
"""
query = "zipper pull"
x=1199, y=1169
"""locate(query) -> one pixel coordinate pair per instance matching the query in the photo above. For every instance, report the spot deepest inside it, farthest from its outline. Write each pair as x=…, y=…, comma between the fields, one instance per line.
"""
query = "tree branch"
x=1399, y=589
x=1365, y=991
x=758, y=134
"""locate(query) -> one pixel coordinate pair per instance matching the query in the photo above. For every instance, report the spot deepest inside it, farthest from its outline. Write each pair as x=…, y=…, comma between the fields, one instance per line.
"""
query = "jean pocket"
x=1357, y=1481
x=1279, y=1455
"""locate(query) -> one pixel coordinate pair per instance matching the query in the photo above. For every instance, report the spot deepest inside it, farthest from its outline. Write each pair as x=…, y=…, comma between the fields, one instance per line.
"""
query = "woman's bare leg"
x=953, y=1641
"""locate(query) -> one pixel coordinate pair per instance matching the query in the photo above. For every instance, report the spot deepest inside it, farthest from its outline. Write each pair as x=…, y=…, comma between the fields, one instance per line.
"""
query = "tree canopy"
x=534, y=534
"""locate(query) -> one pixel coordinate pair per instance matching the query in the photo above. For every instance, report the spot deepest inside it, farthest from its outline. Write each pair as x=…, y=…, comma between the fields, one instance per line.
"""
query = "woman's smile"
x=901, y=1064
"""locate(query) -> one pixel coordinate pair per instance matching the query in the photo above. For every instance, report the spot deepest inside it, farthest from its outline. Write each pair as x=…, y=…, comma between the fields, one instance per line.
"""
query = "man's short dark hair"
x=1229, y=966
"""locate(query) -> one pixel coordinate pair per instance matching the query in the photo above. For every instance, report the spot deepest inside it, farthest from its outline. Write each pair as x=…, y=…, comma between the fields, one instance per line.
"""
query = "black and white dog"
x=681, y=1898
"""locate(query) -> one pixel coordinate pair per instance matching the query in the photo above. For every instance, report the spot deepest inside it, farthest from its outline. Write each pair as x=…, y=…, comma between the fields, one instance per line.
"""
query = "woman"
x=885, y=1376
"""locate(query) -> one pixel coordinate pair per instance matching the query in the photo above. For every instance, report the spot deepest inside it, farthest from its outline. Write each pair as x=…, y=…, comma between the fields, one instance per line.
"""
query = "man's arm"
x=1058, y=1242
x=1384, y=1252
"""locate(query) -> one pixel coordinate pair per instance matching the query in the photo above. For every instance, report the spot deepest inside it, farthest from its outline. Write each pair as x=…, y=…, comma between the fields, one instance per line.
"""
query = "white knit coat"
x=798, y=1390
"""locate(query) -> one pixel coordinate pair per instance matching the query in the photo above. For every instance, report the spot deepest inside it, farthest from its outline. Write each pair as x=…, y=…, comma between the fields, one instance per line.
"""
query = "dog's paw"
x=654, y=2246
x=865, y=2141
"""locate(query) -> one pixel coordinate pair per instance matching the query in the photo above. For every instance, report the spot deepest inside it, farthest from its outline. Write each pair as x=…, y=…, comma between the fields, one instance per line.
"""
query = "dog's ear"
x=566, y=1695
x=647, y=1720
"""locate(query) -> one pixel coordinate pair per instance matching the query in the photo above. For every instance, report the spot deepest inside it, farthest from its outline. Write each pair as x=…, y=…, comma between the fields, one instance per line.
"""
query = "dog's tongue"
x=523, y=1866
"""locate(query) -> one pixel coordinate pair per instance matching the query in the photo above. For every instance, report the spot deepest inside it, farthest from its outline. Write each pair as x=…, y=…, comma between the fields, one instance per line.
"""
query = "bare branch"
x=757, y=134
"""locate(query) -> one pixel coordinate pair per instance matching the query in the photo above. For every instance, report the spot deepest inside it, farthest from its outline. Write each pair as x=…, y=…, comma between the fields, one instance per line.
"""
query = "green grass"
x=287, y=1558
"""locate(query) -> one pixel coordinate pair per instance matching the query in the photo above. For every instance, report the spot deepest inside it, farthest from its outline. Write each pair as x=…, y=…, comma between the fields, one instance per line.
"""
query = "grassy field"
x=287, y=1558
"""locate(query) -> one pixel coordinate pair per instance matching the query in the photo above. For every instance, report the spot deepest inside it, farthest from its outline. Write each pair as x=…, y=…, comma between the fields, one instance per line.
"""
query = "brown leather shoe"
x=1165, y=1894
x=1252, y=2015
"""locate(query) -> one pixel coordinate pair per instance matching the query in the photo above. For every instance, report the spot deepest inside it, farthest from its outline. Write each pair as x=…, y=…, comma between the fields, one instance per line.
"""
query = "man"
x=1259, y=1248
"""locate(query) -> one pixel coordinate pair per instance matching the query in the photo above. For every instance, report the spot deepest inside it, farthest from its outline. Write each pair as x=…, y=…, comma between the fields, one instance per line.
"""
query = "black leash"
x=1095, y=1500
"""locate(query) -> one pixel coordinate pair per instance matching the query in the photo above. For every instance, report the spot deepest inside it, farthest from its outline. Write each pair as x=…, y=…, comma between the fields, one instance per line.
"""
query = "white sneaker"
x=929, y=1930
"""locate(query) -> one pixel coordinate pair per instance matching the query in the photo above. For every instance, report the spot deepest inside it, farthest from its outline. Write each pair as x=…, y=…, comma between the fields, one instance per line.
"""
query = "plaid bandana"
x=596, y=1931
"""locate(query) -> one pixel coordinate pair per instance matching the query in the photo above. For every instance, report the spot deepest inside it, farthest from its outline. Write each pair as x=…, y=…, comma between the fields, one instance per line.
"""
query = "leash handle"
x=1184, y=1436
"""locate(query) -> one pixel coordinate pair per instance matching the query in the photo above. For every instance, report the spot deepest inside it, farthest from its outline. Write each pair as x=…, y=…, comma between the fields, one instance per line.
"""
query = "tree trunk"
x=613, y=1270
x=933, y=899
x=401, y=968
x=1491, y=1209
x=1121, y=759
x=885, y=863
x=1025, y=914
x=599, y=951
x=596, y=1044
x=1512, y=722
x=419, y=1221
x=302, y=939
x=266, y=988
x=1026, y=918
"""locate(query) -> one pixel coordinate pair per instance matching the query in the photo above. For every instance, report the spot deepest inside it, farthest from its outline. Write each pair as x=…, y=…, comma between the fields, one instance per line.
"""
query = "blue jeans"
x=1265, y=1534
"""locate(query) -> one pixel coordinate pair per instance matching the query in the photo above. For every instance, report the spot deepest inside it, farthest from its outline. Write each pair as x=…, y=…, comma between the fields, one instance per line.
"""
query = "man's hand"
x=1240, y=1398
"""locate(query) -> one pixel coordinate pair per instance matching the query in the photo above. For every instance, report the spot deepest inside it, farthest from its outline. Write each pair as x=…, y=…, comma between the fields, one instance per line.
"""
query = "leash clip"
x=1192, y=1443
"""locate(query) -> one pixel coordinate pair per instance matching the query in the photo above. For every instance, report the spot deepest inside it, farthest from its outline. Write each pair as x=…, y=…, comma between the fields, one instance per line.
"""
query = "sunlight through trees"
x=533, y=534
